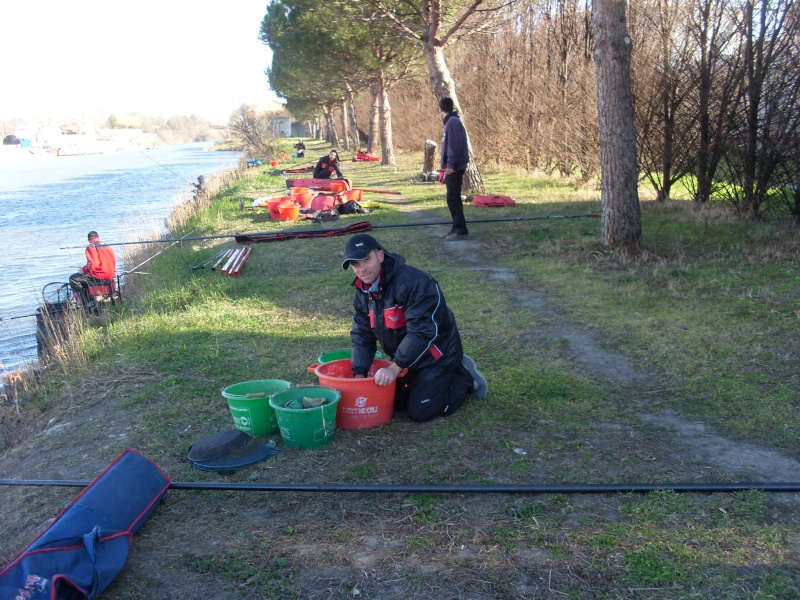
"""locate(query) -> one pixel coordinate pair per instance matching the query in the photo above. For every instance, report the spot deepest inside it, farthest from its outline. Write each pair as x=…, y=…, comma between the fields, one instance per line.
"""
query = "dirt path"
x=692, y=442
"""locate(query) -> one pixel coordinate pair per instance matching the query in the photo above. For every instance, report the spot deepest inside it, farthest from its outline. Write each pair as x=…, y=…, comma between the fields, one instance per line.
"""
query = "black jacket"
x=325, y=168
x=408, y=316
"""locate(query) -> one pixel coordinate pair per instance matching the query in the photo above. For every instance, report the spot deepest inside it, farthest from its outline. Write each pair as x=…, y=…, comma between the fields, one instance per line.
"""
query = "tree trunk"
x=430, y=158
x=345, y=123
x=621, y=222
x=331, y=135
x=351, y=106
x=387, y=145
x=374, y=121
x=444, y=87
x=666, y=156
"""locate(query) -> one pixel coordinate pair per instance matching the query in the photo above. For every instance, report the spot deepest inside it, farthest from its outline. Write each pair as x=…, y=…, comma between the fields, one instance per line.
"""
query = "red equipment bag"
x=492, y=200
x=365, y=156
x=325, y=201
x=319, y=184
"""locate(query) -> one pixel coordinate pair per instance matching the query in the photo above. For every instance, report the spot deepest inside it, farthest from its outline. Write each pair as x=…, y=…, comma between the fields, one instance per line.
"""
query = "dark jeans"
x=453, y=184
x=432, y=392
x=80, y=282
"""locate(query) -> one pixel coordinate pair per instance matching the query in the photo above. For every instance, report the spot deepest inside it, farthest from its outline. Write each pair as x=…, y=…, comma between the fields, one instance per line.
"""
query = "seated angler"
x=101, y=266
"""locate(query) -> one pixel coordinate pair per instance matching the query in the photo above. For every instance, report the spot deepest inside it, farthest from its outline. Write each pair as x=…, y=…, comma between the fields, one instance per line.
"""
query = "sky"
x=156, y=57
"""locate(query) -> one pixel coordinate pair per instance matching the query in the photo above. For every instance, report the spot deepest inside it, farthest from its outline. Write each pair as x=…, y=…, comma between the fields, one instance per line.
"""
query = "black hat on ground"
x=358, y=248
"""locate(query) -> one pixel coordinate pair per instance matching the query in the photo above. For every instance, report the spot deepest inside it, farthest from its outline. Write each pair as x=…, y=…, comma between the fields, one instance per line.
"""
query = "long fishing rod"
x=577, y=488
x=189, y=181
x=133, y=270
x=291, y=232
x=129, y=272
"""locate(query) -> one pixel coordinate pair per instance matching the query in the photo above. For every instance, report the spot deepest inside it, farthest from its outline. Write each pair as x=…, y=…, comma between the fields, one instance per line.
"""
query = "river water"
x=48, y=203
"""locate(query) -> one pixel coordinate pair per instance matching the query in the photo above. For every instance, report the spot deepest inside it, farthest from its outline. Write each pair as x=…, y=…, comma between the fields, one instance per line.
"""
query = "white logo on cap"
x=359, y=244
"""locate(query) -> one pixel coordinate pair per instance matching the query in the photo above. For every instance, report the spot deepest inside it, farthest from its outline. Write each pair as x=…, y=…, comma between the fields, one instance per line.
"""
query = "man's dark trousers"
x=453, y=184
x=436, y=391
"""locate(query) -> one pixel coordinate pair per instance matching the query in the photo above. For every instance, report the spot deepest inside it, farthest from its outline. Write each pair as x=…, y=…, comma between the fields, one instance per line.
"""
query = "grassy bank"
x=599, y=367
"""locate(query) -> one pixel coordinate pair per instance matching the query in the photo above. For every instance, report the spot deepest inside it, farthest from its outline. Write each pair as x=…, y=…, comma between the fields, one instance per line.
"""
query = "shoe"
x=479, y=385
x=455, y=236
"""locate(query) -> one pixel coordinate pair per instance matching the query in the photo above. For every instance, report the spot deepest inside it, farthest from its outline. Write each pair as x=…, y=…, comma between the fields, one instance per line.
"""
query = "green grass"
x=710, y=312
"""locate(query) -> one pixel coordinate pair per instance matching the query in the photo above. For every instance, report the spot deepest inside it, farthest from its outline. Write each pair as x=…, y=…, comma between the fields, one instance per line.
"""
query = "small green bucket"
x=341, y=354
x=306, y=427
x=249, y=404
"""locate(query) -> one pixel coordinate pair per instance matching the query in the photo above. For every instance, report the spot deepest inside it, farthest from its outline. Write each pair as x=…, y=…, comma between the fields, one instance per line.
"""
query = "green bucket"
x=306, y=427
x=340, y=354
x=249, y=404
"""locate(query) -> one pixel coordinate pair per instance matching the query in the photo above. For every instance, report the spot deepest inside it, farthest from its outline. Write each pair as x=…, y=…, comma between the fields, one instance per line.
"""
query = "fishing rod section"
x=168, y=169
x=577, y=488
x=361, y=226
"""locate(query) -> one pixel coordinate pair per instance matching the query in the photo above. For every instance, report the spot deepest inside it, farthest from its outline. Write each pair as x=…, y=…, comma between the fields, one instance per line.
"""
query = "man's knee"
x=423, y=411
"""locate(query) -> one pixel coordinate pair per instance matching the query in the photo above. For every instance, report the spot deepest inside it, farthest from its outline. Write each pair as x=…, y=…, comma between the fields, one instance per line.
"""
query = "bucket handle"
x=313, y=367
x=256, y=395
x=306, y=385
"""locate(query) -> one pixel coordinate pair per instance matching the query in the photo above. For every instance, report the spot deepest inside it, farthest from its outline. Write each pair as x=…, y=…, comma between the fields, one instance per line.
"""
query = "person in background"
x=404, y=309
x=455, y=158
x=327, y=166
x=201, y=187
x=101, y=266
x=301, y=149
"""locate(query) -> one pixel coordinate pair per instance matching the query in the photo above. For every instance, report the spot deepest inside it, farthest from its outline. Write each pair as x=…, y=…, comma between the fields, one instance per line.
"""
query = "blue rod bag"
x=87, y=544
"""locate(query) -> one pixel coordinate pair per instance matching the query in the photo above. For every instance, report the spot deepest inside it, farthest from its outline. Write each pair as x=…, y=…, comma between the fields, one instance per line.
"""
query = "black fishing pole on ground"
x=361, y=227
x=557, y=488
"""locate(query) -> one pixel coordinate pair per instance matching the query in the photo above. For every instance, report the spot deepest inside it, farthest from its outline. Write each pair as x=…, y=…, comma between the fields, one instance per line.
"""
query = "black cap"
x=358, y=248
x=92, y=235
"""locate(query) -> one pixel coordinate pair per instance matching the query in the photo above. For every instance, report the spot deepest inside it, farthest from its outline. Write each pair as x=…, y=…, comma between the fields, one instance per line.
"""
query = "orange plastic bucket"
x=274, y=206
x=354, y=195
x=273, y=163
x=337, y=186
x=304, y=199
x=299, y=190
x=364, y=404
x=289, y=212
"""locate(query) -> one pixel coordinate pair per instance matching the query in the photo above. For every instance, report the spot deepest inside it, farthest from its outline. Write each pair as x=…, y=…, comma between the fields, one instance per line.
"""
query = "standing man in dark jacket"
x=403, y=308
x=327, y=166
x=455, y=158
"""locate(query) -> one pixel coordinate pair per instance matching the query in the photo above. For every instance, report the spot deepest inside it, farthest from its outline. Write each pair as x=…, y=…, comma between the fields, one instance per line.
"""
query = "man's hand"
x=387, y=375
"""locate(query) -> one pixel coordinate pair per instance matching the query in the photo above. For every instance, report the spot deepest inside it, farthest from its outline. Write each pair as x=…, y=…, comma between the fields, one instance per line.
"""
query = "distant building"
x=122, y=136
x=288, y=127
x=282, y=125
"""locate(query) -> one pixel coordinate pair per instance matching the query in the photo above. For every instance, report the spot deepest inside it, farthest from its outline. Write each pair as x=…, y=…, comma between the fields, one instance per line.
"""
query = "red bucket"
x=289, y=212
x=304, y=199
x=354, y=195
x=364, y=404
x=275, y=203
